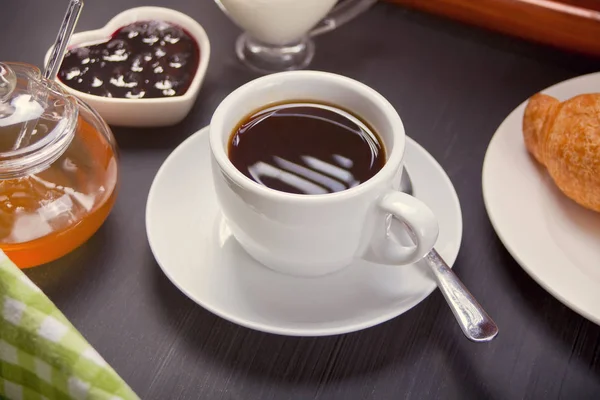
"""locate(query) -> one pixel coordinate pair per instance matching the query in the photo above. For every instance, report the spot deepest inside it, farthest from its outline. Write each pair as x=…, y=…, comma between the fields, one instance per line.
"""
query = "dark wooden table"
x=452, y=85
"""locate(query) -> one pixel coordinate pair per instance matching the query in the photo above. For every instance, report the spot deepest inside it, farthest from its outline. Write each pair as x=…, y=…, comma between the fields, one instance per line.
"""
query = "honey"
x=46, y=215
x=58, y=168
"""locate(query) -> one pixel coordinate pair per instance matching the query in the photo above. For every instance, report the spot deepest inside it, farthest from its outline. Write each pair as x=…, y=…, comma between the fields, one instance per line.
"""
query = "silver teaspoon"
x=51, y=69
x=475, y=323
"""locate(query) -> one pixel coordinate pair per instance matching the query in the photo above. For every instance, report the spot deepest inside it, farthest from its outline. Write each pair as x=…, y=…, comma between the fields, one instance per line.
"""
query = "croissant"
x=565, y=138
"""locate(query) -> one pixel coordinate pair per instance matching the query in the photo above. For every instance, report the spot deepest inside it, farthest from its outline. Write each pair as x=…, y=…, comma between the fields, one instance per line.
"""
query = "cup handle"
x=420, y=220
x=341, y=14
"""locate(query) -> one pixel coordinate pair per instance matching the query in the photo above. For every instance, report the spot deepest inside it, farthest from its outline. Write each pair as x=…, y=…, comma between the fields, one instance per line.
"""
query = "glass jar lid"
x=37, y=120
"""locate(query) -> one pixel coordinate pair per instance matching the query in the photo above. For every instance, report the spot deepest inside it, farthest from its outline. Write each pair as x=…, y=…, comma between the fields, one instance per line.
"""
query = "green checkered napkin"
x=42, y=356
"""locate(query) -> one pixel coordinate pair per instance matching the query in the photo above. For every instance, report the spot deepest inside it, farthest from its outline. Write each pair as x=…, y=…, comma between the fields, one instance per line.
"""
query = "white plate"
x=196, y=251
x=555, y=240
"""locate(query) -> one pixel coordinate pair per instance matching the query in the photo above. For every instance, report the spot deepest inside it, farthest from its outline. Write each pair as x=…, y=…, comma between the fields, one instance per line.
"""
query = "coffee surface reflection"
x=306, y=148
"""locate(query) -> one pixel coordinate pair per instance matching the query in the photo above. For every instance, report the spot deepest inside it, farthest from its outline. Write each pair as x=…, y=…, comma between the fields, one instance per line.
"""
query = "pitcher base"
x=265, y=58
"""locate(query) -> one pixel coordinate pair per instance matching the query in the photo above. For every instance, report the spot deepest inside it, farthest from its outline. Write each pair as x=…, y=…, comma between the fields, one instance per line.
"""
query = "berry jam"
x=145, y=59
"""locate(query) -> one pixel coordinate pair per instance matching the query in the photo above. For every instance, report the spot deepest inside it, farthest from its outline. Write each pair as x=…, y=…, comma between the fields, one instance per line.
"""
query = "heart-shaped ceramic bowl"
x=144, y=112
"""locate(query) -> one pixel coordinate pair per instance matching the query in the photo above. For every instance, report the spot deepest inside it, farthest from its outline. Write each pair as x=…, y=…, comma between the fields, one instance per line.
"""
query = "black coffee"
x=306, y=148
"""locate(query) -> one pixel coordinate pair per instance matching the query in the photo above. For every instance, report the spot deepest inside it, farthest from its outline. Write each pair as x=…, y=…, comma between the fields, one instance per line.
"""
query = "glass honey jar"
x=58, y=168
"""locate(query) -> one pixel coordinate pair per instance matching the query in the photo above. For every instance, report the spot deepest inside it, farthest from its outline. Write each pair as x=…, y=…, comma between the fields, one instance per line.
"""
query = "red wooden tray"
x=568, y=24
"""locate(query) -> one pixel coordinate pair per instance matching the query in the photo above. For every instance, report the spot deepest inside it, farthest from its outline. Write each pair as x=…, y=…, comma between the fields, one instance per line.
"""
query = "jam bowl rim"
x=126, y=106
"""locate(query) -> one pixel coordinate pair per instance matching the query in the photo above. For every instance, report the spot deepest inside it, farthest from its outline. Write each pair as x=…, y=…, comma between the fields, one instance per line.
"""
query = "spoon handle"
x=51, y=70
x=62, y=39
x=475, y=323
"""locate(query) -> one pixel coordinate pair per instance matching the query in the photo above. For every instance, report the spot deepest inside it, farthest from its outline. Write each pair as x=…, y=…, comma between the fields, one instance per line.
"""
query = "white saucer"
x=196, y=251
x=555, y=240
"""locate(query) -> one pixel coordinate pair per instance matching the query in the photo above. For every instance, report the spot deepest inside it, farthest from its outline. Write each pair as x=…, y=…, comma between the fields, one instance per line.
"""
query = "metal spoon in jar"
x=475, y=323
x=51, y=69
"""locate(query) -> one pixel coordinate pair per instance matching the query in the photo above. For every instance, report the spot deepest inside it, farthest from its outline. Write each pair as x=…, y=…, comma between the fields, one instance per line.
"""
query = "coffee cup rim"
x=219, y=152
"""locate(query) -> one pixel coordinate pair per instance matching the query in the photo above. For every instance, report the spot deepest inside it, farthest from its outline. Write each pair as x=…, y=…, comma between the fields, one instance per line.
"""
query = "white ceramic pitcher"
x=278, y=33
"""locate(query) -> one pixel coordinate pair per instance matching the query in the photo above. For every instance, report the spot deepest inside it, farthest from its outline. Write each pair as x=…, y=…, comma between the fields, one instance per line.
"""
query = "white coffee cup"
x=312, y=235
